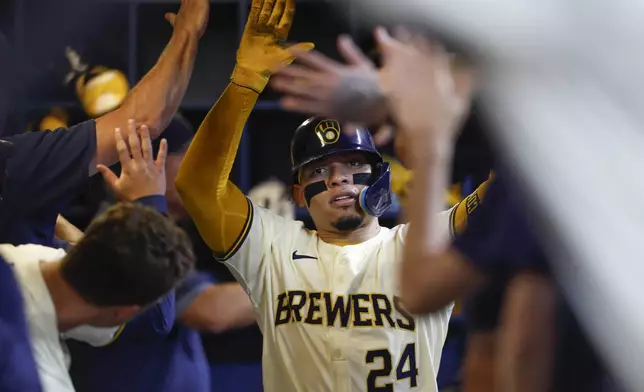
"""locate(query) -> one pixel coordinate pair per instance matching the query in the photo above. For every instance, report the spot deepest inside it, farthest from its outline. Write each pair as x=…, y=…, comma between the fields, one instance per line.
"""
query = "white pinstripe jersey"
x=47, y=342
x=330, y=315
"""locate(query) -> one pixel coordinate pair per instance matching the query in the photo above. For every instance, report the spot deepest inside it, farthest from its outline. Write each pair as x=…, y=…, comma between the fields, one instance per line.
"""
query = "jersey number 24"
x=406, y=368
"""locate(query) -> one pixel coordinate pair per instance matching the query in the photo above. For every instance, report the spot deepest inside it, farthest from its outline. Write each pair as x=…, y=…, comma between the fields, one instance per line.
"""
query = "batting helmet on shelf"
x=318, y=138
x=273, y=195
x=99, y=89
x=56, y=118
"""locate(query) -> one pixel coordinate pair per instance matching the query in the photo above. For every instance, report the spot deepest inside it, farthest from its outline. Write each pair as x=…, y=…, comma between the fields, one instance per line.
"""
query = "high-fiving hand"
x=324, y=87
x=416, y=85
x=141, y=174
x=261, y=52
x=424, y=90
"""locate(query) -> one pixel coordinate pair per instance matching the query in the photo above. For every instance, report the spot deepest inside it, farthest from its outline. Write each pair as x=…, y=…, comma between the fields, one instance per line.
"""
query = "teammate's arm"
x=218, y=308
x=66, y=231
x=428, y=120
x=433, y=274
x=142, y=180
x=482, y=313
x=219, y=209
x=156, y=98
x=527, y=335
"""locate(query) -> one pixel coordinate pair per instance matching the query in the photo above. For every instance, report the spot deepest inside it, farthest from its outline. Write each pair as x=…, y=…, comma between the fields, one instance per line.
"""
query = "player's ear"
x=298, y=195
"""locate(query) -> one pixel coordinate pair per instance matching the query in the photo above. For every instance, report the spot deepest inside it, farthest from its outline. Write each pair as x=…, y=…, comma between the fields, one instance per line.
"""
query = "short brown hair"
x=130, y=255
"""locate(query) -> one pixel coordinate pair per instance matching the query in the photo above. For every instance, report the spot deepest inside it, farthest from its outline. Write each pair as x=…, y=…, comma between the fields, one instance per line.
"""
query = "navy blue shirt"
x=161, y=363
x=46, y=171
x=499, y=238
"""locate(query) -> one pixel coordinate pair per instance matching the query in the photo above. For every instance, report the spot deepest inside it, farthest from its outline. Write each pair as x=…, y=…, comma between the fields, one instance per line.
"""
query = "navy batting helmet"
x=318, y=138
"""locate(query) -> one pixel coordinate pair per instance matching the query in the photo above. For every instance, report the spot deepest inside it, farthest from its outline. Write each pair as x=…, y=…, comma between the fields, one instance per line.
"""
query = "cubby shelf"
x=143, y=33
x=131, y=34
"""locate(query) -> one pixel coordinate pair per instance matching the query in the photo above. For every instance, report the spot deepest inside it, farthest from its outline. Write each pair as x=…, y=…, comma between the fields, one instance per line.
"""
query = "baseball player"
x=327, y=300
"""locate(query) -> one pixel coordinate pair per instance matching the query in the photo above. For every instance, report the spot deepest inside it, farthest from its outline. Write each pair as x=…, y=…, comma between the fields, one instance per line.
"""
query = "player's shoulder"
x=439, y=319
x=62, y=145
x=271, y=220
x=399, y=232
x=94, y=336
x=78, y=131
x=17, y=254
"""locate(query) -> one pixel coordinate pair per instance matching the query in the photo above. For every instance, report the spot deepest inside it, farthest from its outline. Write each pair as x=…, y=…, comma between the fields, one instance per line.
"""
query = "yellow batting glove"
x=261, y=52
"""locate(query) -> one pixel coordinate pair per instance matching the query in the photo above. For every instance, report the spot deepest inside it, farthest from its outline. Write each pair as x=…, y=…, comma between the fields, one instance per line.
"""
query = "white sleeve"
x=94, y=336
x=248, y=262
x=440, y=321
x=443, y=223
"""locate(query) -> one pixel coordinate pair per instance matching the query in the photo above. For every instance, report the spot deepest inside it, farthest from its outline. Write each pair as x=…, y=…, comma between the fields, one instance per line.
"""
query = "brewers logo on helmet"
x=328, y=131
x=318, y=138
x=99, y=89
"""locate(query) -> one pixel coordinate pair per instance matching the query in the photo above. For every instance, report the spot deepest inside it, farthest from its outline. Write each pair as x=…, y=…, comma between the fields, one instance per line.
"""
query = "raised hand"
x=261, y=51
x=322, y=86
x=141, y=174
x=427, y=96
x=192, y=17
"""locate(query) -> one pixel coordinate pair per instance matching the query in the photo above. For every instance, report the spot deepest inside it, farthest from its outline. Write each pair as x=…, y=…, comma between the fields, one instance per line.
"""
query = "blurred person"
x=499, y=240
x=449, y=375
x=331, y=291
x=174, y=361
x=130, y=247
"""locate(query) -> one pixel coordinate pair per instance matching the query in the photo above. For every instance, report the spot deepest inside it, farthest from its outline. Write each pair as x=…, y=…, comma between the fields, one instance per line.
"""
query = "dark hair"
x=130, y=255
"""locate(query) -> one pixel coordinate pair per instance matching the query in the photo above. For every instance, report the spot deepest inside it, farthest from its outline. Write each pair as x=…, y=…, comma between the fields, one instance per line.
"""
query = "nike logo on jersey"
x=299, y=257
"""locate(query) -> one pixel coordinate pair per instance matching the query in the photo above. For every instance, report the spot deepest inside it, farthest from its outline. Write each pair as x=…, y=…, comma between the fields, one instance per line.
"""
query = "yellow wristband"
x=249, y=79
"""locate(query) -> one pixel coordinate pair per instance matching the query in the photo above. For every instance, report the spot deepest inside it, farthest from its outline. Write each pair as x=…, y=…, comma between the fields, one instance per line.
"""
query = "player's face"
x=337, y=207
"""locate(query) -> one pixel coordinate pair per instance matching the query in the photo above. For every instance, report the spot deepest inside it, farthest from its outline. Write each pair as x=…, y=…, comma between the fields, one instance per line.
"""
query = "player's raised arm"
x=427, y=97
x=221, y=212
x=461, y=212
x=156, y=98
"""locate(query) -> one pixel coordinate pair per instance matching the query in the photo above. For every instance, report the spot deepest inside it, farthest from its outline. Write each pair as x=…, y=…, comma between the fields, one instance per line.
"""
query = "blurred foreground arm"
x=219, y=209
x=427, y=99
x=156, y=98
x=526, y=348
x=321, y=86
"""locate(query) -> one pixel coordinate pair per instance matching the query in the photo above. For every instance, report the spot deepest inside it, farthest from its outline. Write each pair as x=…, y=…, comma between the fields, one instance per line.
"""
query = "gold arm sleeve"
x=221, y=212
x=460, y=214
